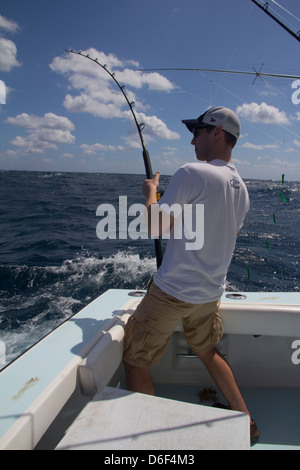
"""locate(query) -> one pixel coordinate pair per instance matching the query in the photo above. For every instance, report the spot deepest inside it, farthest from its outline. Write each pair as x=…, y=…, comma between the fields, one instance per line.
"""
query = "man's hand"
x=150, y=188
x=157, y=224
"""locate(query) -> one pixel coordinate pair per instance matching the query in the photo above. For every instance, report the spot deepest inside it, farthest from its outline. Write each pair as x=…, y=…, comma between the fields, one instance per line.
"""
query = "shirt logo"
x=235, y=184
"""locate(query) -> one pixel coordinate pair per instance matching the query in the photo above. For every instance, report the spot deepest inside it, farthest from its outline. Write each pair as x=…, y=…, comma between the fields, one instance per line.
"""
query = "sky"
x=62, y=112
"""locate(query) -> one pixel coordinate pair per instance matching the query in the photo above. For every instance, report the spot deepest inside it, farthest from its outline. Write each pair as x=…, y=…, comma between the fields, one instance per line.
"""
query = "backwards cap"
x=218, y=116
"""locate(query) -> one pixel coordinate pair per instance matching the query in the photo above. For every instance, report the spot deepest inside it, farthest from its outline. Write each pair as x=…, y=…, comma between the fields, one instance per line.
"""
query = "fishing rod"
x=140, y=127
x=265, y=9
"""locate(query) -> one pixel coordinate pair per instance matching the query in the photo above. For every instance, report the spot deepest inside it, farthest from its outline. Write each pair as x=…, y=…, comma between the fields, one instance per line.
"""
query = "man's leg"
x=147, y=334
x=138, y=379
x=223, y=376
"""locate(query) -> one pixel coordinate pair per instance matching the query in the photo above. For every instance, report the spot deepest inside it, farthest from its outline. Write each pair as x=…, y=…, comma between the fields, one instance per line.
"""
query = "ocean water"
x=52, y=263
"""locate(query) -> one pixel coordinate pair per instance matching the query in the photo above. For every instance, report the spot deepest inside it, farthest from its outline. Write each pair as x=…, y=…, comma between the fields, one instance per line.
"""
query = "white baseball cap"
x=218, y=116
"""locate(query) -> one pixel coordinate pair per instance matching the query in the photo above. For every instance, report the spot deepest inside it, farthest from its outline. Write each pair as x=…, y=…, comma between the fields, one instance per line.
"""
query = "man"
x=190, y=282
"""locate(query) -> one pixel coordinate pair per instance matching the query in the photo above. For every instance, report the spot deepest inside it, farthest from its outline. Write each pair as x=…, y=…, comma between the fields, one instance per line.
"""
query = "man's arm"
x=150, y=188
x=154, y=213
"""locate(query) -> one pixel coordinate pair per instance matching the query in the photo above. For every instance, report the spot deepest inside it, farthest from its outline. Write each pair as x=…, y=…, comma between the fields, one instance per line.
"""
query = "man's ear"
x=218, y=132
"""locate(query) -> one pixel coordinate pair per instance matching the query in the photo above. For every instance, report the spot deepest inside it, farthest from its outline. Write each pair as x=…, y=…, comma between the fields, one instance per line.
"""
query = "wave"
x=44, y=297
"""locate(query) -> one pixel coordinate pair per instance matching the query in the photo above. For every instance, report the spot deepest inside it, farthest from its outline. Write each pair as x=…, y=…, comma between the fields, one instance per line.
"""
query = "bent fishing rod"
x=140, y=127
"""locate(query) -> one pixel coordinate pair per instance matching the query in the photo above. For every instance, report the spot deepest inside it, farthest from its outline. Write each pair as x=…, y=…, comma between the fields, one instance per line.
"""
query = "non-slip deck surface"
x=121, y=420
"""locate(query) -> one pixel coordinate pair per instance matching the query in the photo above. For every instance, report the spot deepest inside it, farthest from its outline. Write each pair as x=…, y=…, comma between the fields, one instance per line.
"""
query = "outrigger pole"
x=140, y=127
x=197, y=69
x=265, y=9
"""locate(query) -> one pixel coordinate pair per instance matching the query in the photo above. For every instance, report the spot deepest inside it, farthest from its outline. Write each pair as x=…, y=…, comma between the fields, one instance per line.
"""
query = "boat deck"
x=120, y=420
x=145, y=420
x=276, y=412
x=259, y=332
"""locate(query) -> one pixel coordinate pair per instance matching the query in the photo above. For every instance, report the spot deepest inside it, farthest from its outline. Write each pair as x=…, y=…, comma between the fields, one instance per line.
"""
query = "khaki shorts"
x=150, y=327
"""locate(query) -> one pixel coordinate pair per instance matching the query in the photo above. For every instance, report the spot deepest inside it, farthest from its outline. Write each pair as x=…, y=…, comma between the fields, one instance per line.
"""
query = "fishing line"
x=240, y=37
x=259, y=129
x=265, y=8
x=257, y=74
x=140, y=127
x=253, y=126
x=283, y=18
x=274, y=215
x=295, y=17
x=283, y=199
x=272, y=87
x=266, y=242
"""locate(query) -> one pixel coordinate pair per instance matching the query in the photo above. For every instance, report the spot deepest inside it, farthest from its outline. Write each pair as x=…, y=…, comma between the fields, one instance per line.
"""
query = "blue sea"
x=52, y=263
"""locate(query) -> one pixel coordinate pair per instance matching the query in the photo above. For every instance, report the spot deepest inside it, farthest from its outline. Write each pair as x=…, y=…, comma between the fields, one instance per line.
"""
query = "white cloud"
x=262, y=113
x=155, y=127
x=268, y=93
x=8, y=49
x=85, y=103
x=8, y=55
x=49, y=121
x=133, y=141
x=138, y=79
x=297, y=142
x=94, y=148
x=241, y=162
x=169, y=151
x=44, y=132
x=72, y=63
x=248, y=145
x=97, y=94
x=67, y=155
x=9, y=26
x=32, y=144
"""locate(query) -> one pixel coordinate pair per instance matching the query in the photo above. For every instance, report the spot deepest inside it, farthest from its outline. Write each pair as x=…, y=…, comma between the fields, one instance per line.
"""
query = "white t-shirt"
x=195, y=265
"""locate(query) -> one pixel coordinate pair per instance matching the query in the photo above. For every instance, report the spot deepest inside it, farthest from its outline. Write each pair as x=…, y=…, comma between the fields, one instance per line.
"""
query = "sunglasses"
x=197, y=130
